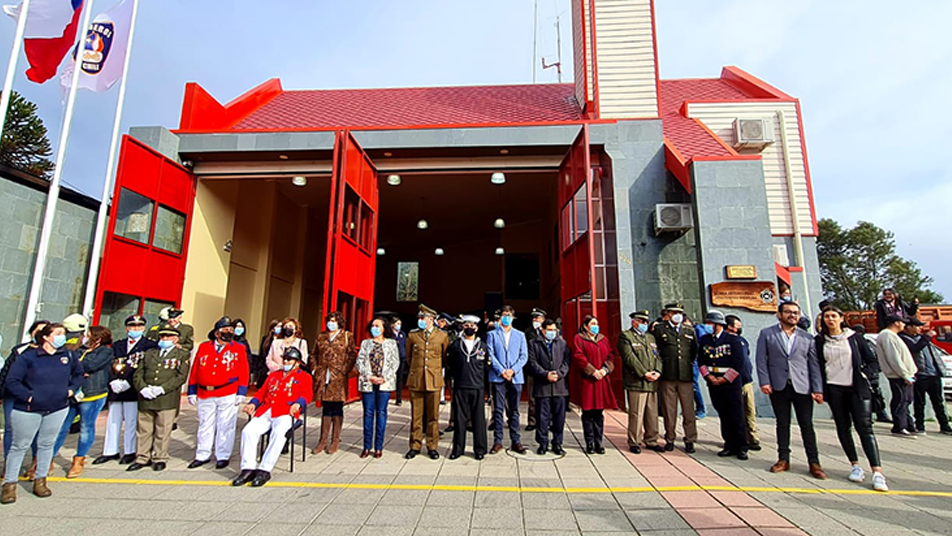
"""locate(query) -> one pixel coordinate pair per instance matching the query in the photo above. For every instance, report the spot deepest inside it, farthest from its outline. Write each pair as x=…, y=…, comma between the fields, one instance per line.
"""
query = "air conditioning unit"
x=672, y=217
x=753, y=133
x=780, y=255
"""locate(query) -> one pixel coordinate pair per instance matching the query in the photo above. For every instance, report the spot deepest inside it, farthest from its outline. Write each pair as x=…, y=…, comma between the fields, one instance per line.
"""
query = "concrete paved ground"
x=616, y=493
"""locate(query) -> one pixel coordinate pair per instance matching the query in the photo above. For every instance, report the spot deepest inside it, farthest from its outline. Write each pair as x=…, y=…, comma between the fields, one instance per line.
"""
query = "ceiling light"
x=499, y=223
x=388, y=154
x=283, y=156
x=504, y=151
x=394, y=180
x=422, y=225
x=498, y=178
x=299, y=181
x=500, y=251
x=438, y=252
x=381, y=251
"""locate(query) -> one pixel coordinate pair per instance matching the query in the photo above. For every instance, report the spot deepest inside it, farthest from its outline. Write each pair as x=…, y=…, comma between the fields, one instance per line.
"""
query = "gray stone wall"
x=66, y=268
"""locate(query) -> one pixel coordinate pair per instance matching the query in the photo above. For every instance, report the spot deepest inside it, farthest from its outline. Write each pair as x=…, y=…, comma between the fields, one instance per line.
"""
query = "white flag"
x=104, y=50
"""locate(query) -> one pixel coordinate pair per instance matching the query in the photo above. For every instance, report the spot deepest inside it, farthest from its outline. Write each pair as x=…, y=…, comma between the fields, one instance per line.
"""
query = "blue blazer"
x=775, y=365
x=515, y=357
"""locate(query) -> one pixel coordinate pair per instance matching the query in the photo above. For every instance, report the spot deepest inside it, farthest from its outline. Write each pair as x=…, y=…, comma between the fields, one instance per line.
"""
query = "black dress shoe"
x=158, y=466
x=590, y=449
x=104, y=459
x=599, y=449
x=441, y=433
x=127, y=459
x=454, y=455
x=725, y=453
x=221, y=464
x=542, y=450
x=136, y=466
x=433, y=454
x=286, y=448
x=197, y=463
x=689, y=448
x=669, y=447
x=174, y=426
x=530, y=428
x=656, y=448
x=557, y=449
x=742, y=455
x=412, y=453
x=490, y=427
x=479, y=456
x=755, y=447
x=635, y=449
x=450, y=429
x=261, y=478
x=243, y=478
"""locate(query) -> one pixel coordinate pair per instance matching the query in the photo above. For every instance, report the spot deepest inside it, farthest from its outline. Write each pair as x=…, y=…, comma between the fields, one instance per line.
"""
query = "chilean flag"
x=50, y=33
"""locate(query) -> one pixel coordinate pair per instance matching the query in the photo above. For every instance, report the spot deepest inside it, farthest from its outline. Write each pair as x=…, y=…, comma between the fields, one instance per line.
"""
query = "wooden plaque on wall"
x=753, y=295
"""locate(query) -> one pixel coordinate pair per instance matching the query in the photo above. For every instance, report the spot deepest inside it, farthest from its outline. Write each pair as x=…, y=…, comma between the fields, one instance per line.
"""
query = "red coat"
x=219, y=374
x=589, y=356
x=281, y=391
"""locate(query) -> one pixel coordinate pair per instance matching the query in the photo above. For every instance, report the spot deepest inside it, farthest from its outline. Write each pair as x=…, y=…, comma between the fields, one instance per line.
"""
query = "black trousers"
x=902, y=395
x=593, y=426
x=402, y=374
x=551, y=416
x=849, y=410
x=728, y=400
x=803, y=406
x=878, y=401
x=468, y=406
x=931, y=386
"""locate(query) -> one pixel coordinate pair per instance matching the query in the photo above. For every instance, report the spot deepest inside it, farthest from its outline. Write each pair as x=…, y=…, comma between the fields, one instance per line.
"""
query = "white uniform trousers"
x=217, y=417
x=121, y=414
x=251, y=435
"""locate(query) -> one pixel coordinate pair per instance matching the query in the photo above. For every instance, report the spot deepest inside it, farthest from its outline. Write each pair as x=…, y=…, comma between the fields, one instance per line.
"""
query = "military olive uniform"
x=677, y=347
x=425, y=352
x=639, y=356
x=168, y=370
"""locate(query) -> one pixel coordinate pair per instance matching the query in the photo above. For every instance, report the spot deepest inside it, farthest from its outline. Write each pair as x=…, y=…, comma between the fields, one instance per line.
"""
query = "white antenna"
x=535, y=33
x=558, y=38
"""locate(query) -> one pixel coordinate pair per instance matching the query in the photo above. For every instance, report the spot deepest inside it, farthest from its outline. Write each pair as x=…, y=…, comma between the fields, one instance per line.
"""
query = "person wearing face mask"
x=466, y=361
x=241, y=337
x=426, y=350
x=641, y=370
x=377, y=365
x=735, y=327
x=217, y=386
x=259, y=365
x=123, y=399
x=534, y=332
x=292, y=336
x=509, y=353
x=593, y=361
x=15, y=353
x=401, y=339
x=677, y=345
x=721, y=360
x=41, y=382
x=334, y=358
x=275, y=408
x=159, y=380
x=172, y=316
x=549, y=362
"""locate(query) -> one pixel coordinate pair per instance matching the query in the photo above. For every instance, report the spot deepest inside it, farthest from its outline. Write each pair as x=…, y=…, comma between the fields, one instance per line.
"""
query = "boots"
x=75, y=470
x=9, y=495
x=325, y=435
x=40, y=489
x=30, y=473
x=335, y=437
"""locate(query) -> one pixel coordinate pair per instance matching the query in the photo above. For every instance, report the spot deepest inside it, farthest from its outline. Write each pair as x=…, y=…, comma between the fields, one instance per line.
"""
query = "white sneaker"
x=857, y=474
x=879, y=482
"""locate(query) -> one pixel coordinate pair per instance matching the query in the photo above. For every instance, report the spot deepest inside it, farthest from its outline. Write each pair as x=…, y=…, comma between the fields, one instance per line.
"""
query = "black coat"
x=541, y=362
x=863, y=363
x=124, y=365
x=468, y=370
x=96, y=367
x=903, y=308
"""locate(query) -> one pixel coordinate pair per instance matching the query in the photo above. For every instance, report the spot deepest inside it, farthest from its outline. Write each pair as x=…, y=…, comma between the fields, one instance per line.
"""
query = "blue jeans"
x=28, y=427
x=375, y=417
x=506, y=396
x=88, y=413
x=699, y=408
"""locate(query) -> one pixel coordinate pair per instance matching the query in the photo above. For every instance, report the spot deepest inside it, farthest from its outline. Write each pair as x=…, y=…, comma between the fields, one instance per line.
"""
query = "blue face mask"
x=287, y=367
x=643, y=328
x=277, y=330
x=59, y=341
x=708, y=329
x=506, y=321
x=332, y=326
x=239, y=331
x=421, y=323
x=551, y=335
x=594, y=329
x=166, y=344
x=136, y=334
x=376, y=331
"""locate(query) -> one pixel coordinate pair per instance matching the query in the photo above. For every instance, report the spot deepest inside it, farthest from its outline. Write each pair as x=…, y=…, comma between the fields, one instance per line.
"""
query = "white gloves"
x=147, y=392
x=239, y=400
x=158, y=390
x=192, y=400
x=119, y=386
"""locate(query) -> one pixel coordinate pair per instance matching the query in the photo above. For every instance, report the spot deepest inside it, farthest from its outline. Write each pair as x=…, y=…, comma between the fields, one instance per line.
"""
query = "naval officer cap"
x=168, y=313
x=168, y=329
x=537, y=312
x=447, y=317
x=675, y=307
x=469, y=319
x=426, y=311
x=135, y=320
x=644, y=314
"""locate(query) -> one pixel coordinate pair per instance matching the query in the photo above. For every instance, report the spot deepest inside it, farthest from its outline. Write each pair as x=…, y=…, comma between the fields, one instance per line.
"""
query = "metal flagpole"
x=12, y=64
x=110, y=174
x=52, y=197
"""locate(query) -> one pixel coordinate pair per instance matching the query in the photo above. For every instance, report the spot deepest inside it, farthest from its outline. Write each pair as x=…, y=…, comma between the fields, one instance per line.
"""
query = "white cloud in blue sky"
x=871, y=78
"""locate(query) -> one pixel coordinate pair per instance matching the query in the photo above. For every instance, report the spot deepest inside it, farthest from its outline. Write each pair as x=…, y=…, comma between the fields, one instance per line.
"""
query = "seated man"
x=277, y=405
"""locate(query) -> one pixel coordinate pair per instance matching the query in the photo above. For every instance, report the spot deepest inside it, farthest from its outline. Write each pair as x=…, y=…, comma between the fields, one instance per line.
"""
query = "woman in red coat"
x=593, y=360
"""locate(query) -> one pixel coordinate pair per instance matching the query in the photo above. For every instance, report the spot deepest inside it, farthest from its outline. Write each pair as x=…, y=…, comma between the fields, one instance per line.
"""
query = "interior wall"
x=315, y=257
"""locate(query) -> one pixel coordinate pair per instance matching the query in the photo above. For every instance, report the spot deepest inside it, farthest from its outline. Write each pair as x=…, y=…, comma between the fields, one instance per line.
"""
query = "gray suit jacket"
x=775, y=366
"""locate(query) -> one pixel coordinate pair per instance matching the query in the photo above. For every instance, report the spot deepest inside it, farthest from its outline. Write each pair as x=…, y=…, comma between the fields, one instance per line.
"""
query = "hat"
x=170, y=312
x=675, y=307
x=715, y=317
x=223, y=322
x=913, y=321
x=537, y=312
x=168, y=329
x=75, y=322
x=447, y=317
x=641, y=315
x=293, y=353
x=892, y=319
x=426, y=311
x=469, y=319
x=498, y=314
x=135, y=320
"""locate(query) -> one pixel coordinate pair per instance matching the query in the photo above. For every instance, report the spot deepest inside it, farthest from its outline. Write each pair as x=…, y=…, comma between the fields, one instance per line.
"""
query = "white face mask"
x=536, y=325
x=677, y=318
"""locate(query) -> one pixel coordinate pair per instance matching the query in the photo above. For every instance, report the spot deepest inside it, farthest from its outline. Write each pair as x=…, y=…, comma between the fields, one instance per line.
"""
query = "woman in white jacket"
x=377, y=365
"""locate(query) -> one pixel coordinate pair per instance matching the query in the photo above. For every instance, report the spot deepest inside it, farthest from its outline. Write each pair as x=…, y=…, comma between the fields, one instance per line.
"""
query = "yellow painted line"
x=510, y=489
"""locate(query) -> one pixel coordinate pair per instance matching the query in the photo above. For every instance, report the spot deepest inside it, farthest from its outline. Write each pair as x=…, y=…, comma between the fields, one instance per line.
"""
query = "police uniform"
x=466, y=363
x=639, y=356
x=531, y=334
x=425, y=352
x=677, y=346
x=723, y=356
x=158, y=381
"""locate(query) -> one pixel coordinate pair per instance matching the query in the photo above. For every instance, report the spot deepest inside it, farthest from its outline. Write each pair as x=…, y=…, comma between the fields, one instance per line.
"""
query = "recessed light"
x=499, y=223
x=500, y=251
x=388, y=154
x=299, y=181
x=498, y=178
x=381, y=251
x=283, y=156
x=394, y=180
x=422, y=225
x=438, y=252
x=504, y=151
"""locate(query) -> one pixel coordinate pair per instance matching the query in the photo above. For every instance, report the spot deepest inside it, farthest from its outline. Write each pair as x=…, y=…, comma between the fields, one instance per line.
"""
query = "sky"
x=870, y=78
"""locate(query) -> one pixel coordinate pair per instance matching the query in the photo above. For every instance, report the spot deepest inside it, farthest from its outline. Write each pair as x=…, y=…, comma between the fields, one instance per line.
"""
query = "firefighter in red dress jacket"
x=217, y=385
x=275, y=408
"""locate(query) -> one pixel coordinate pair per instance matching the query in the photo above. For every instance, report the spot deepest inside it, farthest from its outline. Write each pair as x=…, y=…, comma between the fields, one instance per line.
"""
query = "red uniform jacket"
x=219, y=374
x=281, y=391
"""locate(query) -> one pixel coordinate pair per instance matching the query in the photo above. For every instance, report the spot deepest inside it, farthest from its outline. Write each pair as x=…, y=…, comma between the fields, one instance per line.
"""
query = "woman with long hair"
x=593, y=360
x=334, y=358
x=259, y=366
x=8, y=399
x=292, y=336
x=845, y=360
x=241, y=337
x=377, y=364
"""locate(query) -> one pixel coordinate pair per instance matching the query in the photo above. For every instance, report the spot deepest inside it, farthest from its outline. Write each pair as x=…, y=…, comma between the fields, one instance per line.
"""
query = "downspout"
x=795, y=217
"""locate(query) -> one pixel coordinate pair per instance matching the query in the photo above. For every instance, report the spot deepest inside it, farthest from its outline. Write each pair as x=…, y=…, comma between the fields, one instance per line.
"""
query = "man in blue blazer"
x=509, y=353
x=789, y=373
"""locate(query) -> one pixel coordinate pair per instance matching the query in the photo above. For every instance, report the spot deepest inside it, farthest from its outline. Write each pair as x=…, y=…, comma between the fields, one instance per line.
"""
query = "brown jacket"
x=339, y=357
x=425, y=357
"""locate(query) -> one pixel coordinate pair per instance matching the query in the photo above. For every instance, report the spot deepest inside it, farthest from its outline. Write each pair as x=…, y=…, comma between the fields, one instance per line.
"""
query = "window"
x=152, y=308
x=408, y=281
x=574, y=218
x=169, y=230
x=114, y=311
x=358, y=219
x=133, y=216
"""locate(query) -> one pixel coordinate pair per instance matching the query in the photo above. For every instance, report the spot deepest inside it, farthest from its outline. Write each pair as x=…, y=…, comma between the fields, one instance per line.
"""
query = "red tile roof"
x=690, y=138
x=418, y=107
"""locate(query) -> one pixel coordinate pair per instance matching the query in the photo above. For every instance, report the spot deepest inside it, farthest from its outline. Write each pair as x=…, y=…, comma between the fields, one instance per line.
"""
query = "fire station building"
x=617, y=192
